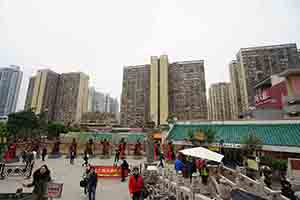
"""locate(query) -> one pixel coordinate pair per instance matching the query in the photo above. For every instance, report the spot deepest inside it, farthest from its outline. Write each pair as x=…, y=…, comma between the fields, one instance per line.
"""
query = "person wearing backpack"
x=124, y=168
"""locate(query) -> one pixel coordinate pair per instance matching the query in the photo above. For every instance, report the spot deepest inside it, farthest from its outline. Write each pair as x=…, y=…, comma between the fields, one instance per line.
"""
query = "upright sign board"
x=54, y=190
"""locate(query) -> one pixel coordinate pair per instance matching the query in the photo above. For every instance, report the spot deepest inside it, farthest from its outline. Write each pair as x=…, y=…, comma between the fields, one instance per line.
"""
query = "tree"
x=210, y=136
x=55, y=128
x=251, y=143
x=3, y=129
x=22, y=123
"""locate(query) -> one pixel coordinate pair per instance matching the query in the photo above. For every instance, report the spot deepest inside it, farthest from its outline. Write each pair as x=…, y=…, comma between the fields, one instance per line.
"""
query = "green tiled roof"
x=270, y=134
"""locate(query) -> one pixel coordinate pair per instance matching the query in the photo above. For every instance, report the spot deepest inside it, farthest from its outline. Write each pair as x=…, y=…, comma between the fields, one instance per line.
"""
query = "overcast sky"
x=99, y=37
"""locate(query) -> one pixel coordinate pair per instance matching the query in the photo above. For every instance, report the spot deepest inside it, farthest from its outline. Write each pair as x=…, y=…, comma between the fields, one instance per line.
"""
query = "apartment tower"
x=155, y=92
x=41, y=93
x=259, y=63
x=72, y=97
x=159, y=104
x=10, y=82
x=135, y=106
x=238, y=95
x=219, y=102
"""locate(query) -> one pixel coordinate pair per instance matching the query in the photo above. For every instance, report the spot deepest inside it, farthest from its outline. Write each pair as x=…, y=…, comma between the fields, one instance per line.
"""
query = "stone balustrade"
x=220, y=185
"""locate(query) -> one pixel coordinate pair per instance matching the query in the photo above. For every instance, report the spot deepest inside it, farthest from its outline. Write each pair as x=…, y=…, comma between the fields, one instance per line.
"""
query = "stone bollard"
x=179, y=183
x=195, y=185
x=261, y=187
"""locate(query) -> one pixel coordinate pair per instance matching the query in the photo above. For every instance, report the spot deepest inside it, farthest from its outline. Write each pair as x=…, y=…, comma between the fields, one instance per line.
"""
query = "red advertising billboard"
x=108, y=171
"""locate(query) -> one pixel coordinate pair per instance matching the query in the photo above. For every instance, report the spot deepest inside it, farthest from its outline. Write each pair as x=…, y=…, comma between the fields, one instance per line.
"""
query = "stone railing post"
x=195, y=185
x=179, y=183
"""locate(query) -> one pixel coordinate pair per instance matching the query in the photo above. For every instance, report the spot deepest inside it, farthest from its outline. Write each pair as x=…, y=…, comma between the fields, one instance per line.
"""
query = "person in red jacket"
x=136, y=185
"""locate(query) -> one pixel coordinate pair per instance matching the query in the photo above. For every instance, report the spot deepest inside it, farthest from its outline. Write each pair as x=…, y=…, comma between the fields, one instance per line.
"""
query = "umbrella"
x=203, y=153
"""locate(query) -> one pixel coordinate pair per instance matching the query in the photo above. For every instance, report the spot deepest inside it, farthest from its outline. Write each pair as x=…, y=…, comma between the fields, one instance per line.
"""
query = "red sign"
x=55, y=190
x=108, y=171
x=295, y=164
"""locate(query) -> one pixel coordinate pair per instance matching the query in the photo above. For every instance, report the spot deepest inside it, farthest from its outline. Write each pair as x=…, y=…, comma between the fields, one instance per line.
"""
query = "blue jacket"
x=178, y=165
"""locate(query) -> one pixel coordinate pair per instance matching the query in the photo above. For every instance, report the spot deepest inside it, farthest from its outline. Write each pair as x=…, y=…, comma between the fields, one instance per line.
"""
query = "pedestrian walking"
x=86, y=159
x=117, y=157
x=86, y=178
x=124, y=169
x=72, y=157
x=204, y=174
x=92, y=184
x=136, y=185
x=24, y=154
x=44, y=153
x=179, y=164
x=41, y=177
x=161, y=160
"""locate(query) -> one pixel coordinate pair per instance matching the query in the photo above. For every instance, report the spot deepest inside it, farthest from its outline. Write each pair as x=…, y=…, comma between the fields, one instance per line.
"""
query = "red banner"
x=295, y=164
x=108, y=171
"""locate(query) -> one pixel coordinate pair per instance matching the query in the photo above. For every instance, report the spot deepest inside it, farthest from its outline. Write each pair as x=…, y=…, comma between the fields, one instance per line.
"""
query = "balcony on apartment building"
x=291, y=101
x=291, y=105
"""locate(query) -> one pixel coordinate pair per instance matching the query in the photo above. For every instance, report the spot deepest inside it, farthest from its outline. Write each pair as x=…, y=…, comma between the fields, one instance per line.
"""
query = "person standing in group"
x=24, y=156
x=44, y=153
x=92, y=184
x=204, y=174
x=117, y=157
x=124, y=168
x=136, y=185
x=161, y=160
x=41, y=177
x=86, y=178
x=86, y=159
x=179, y=164
x=72, y=157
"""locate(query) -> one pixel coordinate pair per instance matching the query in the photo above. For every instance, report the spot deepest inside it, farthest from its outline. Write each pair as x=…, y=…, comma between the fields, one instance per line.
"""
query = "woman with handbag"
x=136, y=185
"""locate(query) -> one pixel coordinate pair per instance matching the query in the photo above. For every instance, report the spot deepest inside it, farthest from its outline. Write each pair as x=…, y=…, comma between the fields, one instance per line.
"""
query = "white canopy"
x=201, y=152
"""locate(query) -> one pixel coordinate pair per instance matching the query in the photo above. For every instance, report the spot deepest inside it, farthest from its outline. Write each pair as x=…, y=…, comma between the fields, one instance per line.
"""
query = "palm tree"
x=251, y=143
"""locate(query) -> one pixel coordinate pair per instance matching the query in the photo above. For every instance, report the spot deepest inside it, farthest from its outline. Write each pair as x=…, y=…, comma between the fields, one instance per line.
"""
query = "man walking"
x=124, y=168
x=92, y=184
x=72, y=157
x=44, y=153
x=117, y=156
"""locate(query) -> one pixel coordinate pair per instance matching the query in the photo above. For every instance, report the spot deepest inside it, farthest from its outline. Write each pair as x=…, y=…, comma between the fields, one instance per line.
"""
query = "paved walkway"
x=70, y=175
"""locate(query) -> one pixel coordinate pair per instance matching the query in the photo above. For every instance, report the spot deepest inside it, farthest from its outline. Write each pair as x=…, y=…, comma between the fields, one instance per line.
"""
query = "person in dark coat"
x=92, y=184
x=86, y=159
x=44, y=153
x=286, y=190
x=117, y=157
x=72, y=157
x=124, y=168
x=41, y=177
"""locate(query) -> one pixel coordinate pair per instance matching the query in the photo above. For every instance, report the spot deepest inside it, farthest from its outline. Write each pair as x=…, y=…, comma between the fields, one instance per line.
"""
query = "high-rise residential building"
x=238, y=98
x=161, y=90
x=159, y=104
x=29, y=93
x=219, y=101
x=187, y=90
x=72, y=97
x=114, y=106
x=91, y=97
x=135, y=105
x=258, y=63
x=41, y=93
x=99, y=102
x=10, y=81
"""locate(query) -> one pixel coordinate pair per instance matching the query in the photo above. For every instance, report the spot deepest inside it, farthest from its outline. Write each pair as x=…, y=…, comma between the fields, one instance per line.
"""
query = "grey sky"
x=99, y=37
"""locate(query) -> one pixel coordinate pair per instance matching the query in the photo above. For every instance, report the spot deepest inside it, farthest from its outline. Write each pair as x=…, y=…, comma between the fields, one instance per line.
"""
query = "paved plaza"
x=70, y=175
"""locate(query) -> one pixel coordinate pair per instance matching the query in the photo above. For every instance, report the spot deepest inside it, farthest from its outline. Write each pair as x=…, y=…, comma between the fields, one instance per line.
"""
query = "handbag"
x=145, y=192
x=83, y=183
